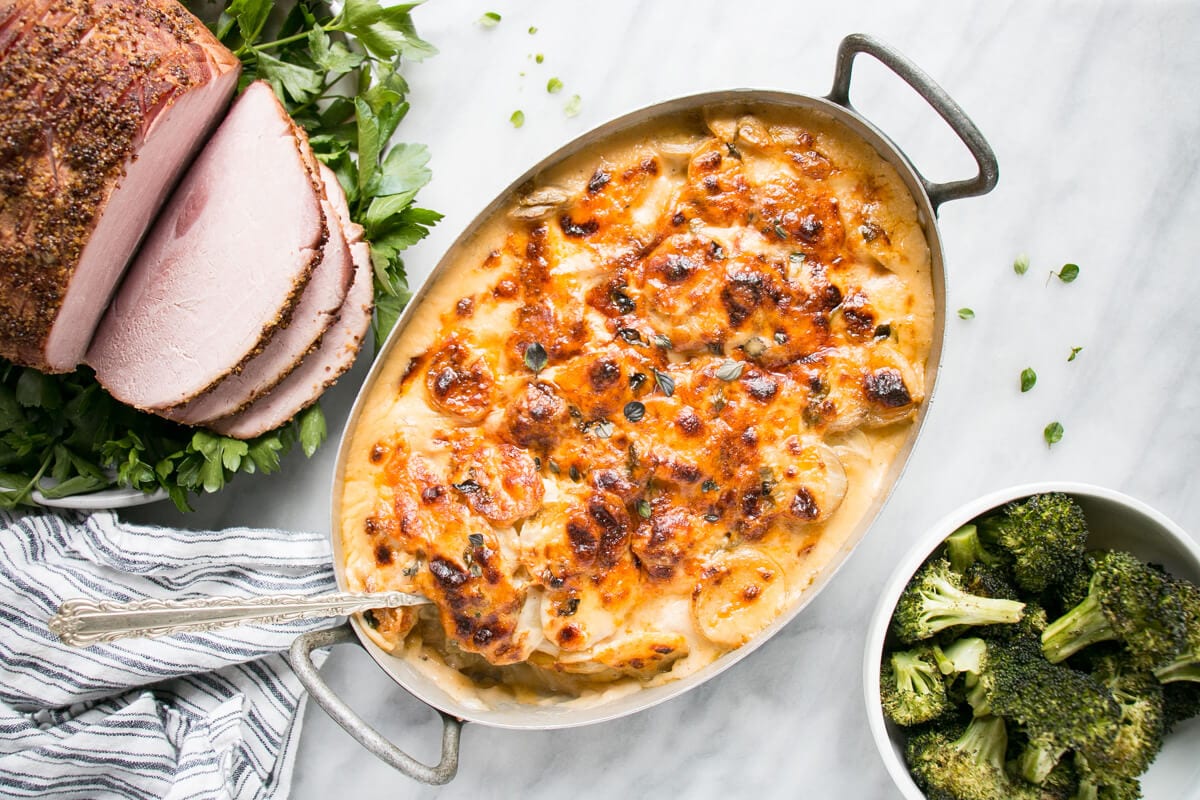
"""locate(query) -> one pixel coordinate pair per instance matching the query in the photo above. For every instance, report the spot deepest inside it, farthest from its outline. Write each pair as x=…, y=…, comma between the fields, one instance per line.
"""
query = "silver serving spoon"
x=82, y=622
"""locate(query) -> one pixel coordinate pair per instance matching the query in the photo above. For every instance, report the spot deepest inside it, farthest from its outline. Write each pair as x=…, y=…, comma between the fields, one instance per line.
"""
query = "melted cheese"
x=643, y=410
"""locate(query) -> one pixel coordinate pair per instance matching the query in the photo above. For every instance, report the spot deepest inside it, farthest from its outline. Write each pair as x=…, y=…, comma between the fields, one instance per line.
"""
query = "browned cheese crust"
x=79, y=80
x=621, y=434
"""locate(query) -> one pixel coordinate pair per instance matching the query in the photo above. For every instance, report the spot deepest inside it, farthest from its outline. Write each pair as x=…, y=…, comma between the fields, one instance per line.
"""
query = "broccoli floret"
x=1139, y=738
x=935, y=599
x=969, y=767
x=1045, y=536
x=1060, y=784
x=1028, y=631
x=1093, y=787
x=964, y=548
x=912, y=687
x=1181, y=701
x=1186, y=665
x=1059, y=708
x=988, y=581
x=1127, y=601
x=1074, y=588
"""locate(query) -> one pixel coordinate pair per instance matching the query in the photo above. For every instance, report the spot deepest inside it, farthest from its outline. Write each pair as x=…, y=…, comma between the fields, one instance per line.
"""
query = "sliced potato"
x=637, y=655
x=739, y=594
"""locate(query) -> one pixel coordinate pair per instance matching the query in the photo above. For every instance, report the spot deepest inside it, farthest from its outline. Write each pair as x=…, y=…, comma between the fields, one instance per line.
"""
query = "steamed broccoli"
x=1127, y=601
x=1059, y=708
x=964, y=548
x=1139, y=738
x=1186, y=665
x=969, y=767
x=1044, y=535
x=935, y=599
x=912, y=687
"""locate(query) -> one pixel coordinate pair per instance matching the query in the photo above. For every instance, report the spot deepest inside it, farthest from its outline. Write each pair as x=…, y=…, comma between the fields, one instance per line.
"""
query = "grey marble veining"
x=1094, y=113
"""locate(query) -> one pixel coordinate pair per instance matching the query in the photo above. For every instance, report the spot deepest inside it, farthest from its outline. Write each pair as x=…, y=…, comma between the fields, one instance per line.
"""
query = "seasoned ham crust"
x=103, y=104
x=647, y=406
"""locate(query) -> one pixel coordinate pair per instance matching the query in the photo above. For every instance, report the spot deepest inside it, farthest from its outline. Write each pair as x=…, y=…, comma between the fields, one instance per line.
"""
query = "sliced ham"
x=314, y=314
x=102, y=104
x=336, y=352
x=224, y=266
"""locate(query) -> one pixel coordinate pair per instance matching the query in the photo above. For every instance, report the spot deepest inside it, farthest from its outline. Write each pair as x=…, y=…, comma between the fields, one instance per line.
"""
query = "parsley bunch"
x=338, y=75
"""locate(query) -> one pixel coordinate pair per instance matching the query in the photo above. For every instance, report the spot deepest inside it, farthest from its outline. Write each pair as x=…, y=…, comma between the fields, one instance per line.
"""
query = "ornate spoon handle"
x=82, y=622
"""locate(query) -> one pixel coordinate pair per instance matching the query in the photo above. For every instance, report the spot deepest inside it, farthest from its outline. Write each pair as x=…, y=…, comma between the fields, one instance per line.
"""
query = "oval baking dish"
x=926, y=196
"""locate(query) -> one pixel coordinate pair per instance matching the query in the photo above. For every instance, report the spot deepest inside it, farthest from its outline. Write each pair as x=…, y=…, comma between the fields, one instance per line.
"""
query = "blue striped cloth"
x=189, y=716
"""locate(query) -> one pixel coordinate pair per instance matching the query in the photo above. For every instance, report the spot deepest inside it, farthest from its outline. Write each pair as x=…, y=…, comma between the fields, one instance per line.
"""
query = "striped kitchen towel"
x=213, y=715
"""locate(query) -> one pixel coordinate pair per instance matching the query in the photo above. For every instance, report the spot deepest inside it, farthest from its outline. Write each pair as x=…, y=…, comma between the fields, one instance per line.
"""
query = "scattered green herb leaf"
x=539, y=58
x=664, y=382
x=476, y=539
x=554, y=85
x=1074, y=352
x=1068, y=273
x=603, y=428
x=1053, y=433
x=708, y=486
x=966, y=313
x=1028, y=379
x=634, y=411
x=730, y=370
x=518, y=118
x=644, y=510
x=573, y=105
x=661, y=340
x=630, y=335
x=574, y=473
x=490, y=20
x=1021, y=264
x=532, y=30
x=568, y=608
x=535, y=357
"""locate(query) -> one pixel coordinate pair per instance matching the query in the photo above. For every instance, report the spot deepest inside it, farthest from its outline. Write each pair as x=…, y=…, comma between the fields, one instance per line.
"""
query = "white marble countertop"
x=1093, y=111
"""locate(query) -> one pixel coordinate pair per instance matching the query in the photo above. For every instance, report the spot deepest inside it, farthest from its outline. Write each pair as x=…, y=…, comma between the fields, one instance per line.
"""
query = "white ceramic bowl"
x=1115, y=521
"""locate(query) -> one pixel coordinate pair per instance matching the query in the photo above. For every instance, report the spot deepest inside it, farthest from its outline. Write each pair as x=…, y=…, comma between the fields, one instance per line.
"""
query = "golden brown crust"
x=79, y=82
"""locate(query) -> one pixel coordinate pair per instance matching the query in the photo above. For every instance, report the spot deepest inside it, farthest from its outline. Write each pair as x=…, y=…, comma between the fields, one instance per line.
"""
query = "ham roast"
x=338, y=347
x=224, y=266
x=102, y=104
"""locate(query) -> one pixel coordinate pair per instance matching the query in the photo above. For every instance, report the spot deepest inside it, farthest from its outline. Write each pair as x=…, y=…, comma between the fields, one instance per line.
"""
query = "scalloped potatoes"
x=646, y=405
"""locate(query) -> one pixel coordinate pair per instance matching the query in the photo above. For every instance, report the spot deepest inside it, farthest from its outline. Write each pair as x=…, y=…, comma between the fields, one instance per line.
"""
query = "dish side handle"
x=300, y=656
x=942, y=103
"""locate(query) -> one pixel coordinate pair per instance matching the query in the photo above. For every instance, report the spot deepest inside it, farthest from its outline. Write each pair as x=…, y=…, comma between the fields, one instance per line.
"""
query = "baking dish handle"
x=300, y=657
x=950, y=111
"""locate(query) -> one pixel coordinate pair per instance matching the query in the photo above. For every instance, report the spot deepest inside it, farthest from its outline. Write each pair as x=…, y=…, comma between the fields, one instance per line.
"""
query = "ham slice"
x=338, y=348
x=314, y=314
x=224, y=266
x=103, y=104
